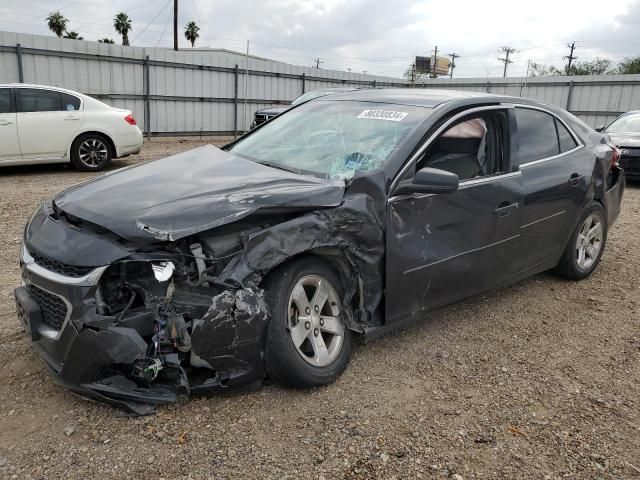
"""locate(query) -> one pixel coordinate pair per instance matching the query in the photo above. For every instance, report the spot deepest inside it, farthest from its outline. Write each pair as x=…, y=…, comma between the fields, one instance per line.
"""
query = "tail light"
x=130, y=120
x=615, y=155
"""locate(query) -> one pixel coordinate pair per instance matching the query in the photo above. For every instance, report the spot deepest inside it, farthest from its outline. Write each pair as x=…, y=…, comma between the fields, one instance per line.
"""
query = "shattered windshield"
x=331, y=139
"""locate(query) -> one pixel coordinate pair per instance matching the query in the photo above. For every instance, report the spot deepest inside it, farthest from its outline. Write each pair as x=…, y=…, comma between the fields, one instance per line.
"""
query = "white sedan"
x=41, y=124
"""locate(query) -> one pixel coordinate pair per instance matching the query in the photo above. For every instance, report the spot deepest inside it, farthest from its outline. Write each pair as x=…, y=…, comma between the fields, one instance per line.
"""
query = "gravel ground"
x=539, y=380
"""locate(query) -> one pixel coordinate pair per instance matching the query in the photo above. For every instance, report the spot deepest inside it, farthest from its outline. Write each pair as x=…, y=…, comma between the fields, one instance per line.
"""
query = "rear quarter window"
x=69, y=102
x=567, y=142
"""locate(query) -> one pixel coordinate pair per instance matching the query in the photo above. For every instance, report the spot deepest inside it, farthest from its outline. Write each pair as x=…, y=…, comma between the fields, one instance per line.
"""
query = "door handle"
x=575, y=179
x=505, y=208
x=71, y=118
x=5, y=122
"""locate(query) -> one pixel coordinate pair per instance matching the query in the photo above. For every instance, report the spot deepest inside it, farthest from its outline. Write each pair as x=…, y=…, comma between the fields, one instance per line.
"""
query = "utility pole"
x=175, y=24
x=318, y=62
x=507, y=52
x=453, y=56
x=349, y=69
x=433, y=64
x=570, y=57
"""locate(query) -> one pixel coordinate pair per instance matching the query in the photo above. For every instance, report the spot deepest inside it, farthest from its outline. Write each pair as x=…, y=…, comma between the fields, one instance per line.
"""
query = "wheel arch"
x=112, y=145
x=337, y=259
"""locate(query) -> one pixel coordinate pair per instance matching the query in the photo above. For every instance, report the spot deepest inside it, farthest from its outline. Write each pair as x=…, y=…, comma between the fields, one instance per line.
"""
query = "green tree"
x=410, y=72
x=542, y=70
x=106, y=40
x=57, y=23
x=73, y=36
x=599, y=66
x=122, y=24
x=629, y=65
x=191, y=33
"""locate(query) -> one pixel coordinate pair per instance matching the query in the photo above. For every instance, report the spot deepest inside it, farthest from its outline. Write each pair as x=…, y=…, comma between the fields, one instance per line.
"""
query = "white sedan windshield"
x=332, y=139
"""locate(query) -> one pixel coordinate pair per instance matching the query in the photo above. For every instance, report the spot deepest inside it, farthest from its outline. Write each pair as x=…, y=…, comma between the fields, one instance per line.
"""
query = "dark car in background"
x=267, y=114
x=624, y=132
x=349, y=216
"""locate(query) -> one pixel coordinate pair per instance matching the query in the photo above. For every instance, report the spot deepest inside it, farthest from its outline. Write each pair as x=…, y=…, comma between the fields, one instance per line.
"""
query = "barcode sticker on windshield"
x=383, y=115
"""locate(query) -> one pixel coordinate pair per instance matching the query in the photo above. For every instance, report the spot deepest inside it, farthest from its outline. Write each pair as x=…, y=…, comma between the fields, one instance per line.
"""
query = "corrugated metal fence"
x=216, y=91
x=595, y=99
x=171, y=93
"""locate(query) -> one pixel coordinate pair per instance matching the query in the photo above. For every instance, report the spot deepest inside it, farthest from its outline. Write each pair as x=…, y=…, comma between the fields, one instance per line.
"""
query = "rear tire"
x=586, y=245
x=307, y=342
x=91, y=152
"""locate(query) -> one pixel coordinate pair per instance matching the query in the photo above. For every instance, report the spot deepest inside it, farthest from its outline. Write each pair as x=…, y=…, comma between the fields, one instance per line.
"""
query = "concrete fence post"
x=303, y=77
x=19, y=59
x=147, y=100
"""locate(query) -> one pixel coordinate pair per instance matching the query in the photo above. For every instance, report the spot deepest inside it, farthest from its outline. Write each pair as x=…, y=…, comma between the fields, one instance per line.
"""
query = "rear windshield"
x=332, y=139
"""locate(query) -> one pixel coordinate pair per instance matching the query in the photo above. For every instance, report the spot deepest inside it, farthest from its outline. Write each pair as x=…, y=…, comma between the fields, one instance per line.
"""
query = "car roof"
x=422, y=97
x=33, y=85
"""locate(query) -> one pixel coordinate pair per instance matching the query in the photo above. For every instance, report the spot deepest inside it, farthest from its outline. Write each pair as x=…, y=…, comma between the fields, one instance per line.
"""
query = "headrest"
x=458, y=145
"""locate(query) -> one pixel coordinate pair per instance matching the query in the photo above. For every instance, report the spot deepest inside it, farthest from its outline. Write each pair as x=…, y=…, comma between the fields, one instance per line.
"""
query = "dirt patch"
x=538, y=380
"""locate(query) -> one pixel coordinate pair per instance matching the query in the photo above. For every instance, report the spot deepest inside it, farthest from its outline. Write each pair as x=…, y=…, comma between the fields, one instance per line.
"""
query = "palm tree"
x=191, y=33
x=57, y=23
x=106, y=40
x=122, y=24
x=73, y=36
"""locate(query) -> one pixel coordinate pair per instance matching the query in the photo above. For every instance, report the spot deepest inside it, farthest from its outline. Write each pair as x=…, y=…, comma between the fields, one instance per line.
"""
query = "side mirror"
x=600, y=128
x=430, y=180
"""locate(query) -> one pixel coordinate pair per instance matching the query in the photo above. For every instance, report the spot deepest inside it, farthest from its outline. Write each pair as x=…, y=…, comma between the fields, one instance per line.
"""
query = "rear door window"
x=536, y=135
x=38, y=100
x=5, y=100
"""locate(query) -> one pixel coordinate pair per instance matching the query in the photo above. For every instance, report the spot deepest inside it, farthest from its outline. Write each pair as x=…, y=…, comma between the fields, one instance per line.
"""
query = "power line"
x=507, y=51
x=165, y=28
x=153, y=20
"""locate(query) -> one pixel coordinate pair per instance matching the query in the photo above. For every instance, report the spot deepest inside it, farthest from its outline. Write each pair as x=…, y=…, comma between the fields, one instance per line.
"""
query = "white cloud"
x=381, y=36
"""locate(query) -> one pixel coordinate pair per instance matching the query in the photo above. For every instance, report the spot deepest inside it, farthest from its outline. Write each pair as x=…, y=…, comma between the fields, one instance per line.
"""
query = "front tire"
x=307, y=342
x=91, y=152
x=586, y=245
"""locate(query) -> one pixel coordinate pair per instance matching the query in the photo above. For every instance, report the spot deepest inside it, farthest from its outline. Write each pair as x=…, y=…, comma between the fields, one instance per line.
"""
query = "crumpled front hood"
x=191, y=192
x=625, y=139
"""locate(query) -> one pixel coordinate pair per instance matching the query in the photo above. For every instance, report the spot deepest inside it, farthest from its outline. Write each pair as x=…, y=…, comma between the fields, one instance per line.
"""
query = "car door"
x=445, y=247
x=555, y=176
x=46, y=129
x=9, y=145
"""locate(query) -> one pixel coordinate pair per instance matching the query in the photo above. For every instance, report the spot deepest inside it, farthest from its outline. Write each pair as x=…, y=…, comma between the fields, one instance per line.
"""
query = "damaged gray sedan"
x=342, y=219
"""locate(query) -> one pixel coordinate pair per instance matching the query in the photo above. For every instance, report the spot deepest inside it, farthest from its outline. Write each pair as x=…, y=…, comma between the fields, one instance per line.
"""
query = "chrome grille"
x=59, y=267
x=53, y=308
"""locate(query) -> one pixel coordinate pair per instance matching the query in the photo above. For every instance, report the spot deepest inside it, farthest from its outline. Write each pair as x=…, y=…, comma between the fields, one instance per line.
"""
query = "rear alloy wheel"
x=91, y=153
x=586, y=245
x=308, y=343
x=589, y=242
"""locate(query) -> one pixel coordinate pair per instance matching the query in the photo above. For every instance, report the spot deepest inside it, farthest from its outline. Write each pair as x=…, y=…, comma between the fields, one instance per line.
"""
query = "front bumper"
x=92, y=354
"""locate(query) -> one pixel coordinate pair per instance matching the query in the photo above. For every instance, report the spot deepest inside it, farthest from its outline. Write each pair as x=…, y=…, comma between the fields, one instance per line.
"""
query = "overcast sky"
x=380, y=36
